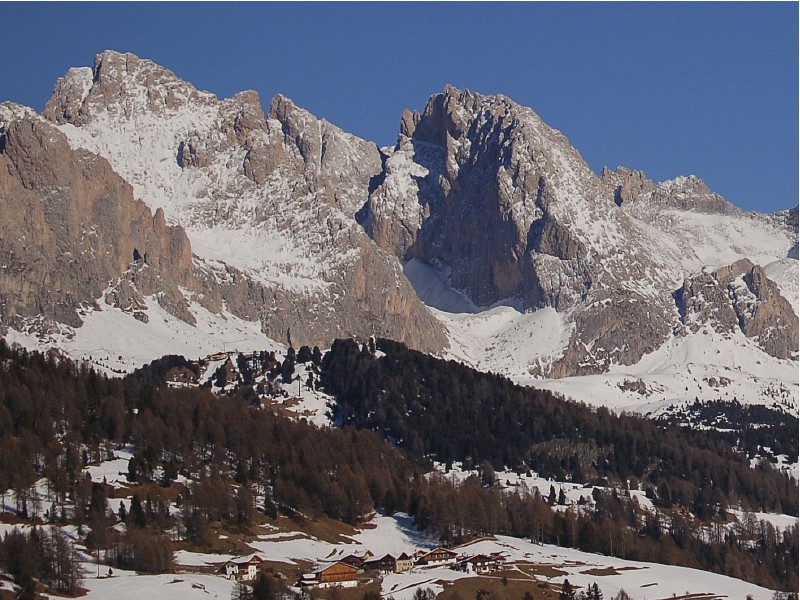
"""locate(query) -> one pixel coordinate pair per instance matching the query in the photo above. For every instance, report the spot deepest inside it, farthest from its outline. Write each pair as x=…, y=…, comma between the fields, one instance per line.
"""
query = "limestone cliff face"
x=481, y=186
x=740, y=297
x=70, y=229
x=482, y=189
x=267, y=201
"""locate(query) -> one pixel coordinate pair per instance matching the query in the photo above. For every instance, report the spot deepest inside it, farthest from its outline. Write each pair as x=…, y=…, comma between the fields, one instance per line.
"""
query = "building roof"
x=435, y=550
x=339, y=564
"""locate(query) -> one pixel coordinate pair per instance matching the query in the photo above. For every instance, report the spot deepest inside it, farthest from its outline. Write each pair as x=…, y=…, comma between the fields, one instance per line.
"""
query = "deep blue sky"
x=709, y=89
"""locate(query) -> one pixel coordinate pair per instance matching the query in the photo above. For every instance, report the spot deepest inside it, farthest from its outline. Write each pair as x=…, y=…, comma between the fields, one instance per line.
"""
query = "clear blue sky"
x=709, y=89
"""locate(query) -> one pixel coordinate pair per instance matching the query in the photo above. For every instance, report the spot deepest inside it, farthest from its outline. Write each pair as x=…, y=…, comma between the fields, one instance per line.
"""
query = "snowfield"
x=394, y=535
x=508, y=341
x=114, y=342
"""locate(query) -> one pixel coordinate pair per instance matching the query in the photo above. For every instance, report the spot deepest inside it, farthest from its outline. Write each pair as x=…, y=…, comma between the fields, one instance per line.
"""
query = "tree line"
x=445, y=411
x=616, y=525
x=56, y=417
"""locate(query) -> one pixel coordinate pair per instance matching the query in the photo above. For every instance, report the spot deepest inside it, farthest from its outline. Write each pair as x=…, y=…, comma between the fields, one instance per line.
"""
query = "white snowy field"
x=394, y=535
x=506, y=340
x=113, y=341
x=127, y=585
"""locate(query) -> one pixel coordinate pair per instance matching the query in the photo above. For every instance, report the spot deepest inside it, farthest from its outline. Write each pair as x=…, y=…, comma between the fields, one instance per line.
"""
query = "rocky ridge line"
x=226, y=172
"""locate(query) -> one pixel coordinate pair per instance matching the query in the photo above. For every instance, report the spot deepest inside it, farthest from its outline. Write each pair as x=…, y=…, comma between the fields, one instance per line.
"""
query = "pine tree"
x=567, y=591
x=137, y=516
x=596, y=593
x=287, y=368
x=316, y=356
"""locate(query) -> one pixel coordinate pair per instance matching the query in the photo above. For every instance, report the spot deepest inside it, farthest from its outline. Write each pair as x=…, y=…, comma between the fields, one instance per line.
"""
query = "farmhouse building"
x=383, y=565
x=440, y=556
x=339, y=574
x=403, y=563
x=244, y=570
x=476, y=564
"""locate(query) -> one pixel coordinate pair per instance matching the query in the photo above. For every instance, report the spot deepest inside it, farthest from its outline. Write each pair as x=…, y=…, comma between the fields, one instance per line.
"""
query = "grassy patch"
x=601, y=572
x=496, y=588
x=540, y=570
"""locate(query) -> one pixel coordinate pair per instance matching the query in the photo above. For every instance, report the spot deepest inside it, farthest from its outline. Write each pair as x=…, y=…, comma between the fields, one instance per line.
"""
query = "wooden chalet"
x=354, y=560
x=180, y=376
x=384, y=565
x=476, y=564
x=339, y=574
x=357, y=560
x=439, y=556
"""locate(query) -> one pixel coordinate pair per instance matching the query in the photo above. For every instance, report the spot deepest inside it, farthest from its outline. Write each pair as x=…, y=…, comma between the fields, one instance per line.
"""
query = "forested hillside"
x=449, y=412
x=444, y=411
x=218, y=459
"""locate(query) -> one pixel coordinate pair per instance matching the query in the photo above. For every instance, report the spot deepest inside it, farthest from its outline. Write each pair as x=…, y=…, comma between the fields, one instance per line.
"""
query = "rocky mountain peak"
x=626, y=185
x=242, y=115
x=408, y=122
x=740, y=297
x=266, y=200
x=301, y=226
x=647, y=200
x=501, y=187
x=120, y=83
x=480, y=188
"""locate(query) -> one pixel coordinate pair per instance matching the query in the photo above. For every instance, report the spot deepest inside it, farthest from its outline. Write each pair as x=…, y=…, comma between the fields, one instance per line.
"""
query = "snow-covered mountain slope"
x=705, y=364
x=709, y=231
x=522, y=260
x=267, y=202
x=499, y=203
x=115, y=342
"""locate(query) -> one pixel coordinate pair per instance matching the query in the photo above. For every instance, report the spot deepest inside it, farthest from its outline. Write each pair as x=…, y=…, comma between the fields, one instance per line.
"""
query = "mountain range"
x=143, y=216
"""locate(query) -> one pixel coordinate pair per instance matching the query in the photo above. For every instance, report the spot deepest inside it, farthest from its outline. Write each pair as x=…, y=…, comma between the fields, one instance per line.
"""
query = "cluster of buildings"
x=347, y=571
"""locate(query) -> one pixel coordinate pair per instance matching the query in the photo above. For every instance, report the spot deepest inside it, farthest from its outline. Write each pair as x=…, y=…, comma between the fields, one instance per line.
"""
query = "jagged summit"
x=119, y=82
x=645, y=199
x=500, y=202
x=267, y=201
x=297, y=226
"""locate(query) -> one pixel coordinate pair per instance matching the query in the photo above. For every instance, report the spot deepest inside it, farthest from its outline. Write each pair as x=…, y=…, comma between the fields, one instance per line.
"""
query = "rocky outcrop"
x=335, y=163
x=626, y=185
x=268, y=201
x=122, y=85
x=740, y=297
x=71, y=229
x=482, y=186
x=648, y=201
